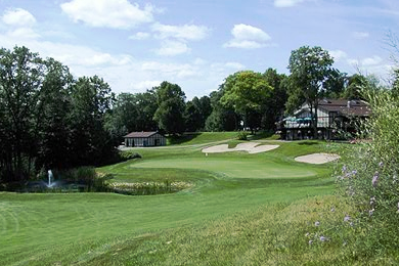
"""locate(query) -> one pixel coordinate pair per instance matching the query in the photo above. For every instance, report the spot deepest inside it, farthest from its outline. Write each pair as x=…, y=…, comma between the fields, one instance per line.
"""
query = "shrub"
x=149, y=188
x=243, y=136
x=128, y=155
x=369, y=181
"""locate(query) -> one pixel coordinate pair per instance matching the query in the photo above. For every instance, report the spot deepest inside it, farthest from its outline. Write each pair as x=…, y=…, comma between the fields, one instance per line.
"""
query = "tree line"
x=49, y=119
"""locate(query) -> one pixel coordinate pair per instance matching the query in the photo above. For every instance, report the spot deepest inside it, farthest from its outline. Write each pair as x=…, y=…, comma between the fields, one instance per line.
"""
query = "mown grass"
x=201, y=138
x=223, y=219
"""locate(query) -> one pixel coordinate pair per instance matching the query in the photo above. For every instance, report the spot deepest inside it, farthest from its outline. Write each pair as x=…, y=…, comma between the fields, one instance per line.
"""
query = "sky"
x=134, y=45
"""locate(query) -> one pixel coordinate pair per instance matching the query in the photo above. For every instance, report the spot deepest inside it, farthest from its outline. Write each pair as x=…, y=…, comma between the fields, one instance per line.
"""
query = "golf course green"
x=228, y=191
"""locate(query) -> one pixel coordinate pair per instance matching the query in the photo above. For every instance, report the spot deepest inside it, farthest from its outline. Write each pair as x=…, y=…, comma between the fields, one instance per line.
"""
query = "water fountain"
x=50, y=178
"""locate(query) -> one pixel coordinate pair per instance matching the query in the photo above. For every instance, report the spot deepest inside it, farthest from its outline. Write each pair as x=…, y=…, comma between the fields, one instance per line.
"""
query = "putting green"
x=231, y=167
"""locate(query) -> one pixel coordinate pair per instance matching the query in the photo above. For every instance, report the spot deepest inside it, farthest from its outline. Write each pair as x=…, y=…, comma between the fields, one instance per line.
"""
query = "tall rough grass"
x=369, y=230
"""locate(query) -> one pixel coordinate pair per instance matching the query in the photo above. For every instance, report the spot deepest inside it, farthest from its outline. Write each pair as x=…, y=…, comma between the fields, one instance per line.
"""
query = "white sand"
x=318, y=158
x=250, y=147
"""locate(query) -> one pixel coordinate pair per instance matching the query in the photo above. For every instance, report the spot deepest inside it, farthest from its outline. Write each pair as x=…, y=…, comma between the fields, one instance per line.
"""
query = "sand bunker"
x=318, y=158
x=250, y=147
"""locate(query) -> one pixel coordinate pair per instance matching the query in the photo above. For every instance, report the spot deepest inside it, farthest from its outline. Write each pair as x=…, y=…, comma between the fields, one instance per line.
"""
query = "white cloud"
x=226, y=68
x=199, y=62
x=234, y=65
x=338, y=55
x=145, y=85
x=372, y=65
x=287, y=3
x=371, y=61
x=68, y=54
x=140, y=36
x=361, y=35
x=18, y=17
x=111, y=14
x=249, y=33
x=125, y=73
x=172, y=48
x=170, y=70
x=244, y=44
x=23, y=33
x=174, y=39
x=185, y=32
x=248, y=37
x=366, y=62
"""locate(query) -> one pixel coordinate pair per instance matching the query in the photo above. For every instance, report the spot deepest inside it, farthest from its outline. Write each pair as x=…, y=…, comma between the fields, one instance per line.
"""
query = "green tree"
x=146, y=107
x=169, y=114
x=53, y=116
x=196, y=113
x=222, y=118
x=125, y=112
x=91, y=99
x=192, y=117
x=356, y=83
x=335, y=84
x=395, y=84
x=310, y=68
x=21, y=77
x=273, y=108
x=246, y=91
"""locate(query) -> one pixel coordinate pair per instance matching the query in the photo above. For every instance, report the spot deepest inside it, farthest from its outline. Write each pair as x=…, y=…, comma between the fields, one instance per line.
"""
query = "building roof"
x=141, y=134
x=345, y=107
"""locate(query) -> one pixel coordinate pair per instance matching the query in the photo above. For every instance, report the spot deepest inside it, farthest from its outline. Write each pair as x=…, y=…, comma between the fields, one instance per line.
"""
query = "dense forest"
x=50, y=119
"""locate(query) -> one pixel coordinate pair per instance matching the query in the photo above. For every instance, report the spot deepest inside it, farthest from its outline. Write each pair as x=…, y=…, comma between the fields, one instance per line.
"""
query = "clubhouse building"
x=333, y=118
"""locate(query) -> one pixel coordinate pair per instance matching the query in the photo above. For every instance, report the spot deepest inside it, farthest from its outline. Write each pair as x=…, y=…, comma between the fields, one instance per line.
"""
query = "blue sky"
x=135, y=44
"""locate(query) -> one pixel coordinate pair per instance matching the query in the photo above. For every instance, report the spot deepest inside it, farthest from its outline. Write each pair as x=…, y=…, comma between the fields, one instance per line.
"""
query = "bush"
x=369, y=181
x=149, y=188
x=242, y=136
x=129, y=155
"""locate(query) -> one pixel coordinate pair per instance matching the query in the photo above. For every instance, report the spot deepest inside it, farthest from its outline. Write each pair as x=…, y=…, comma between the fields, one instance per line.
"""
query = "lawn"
x=235, y=190
x=201, y=138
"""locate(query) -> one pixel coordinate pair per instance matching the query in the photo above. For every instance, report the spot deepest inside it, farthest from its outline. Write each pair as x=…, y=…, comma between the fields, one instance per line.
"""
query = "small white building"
x=144, y=139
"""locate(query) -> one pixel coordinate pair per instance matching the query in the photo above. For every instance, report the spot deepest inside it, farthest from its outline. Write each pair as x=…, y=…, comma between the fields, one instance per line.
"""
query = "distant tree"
x=91, y=100
x=359, y=86
x=169, y=114
x=125, y=112
x=193, y=117
x=310, y=68
x=48, y=119
x=246, y=91
x=21, y=77
x=53, y=120
x=295, y=96
x=147, y=105
x=196, y=113
x=273, y=108
x=395, y=84
x=206, y=107
x=356, y=83
x=222, y=118
x=335, y=84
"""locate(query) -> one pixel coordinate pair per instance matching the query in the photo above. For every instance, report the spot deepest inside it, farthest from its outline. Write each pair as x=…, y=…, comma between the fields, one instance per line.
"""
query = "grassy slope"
x=89, y=228
x=202, y=137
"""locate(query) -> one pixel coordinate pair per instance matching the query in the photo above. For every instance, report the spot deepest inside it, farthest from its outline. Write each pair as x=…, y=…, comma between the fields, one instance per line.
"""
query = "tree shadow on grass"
x=308, y=143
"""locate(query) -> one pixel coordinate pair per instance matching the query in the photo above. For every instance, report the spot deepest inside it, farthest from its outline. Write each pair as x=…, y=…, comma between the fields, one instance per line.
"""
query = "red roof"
x=141, y=134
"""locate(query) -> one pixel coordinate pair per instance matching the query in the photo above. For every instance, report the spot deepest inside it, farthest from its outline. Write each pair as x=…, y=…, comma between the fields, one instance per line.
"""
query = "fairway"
x=232, y=167
x=101, y=228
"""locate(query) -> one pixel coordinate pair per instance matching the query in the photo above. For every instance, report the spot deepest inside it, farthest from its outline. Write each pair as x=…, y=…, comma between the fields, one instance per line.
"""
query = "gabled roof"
x=141, y=134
